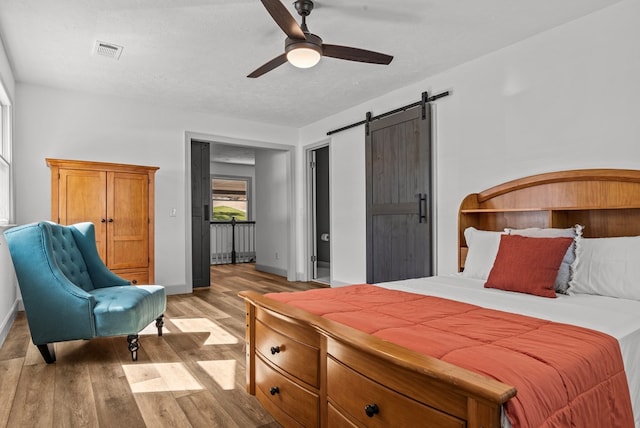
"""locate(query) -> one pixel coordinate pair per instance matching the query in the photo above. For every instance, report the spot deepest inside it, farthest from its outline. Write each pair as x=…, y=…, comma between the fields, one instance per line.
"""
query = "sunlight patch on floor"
x=221, y=371
x=218, y=335
x=160, y=377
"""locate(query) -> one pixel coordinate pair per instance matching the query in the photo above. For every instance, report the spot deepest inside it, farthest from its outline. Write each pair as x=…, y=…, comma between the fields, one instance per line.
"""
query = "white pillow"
x=483, y=248
x=607, y=267
x=564, y=273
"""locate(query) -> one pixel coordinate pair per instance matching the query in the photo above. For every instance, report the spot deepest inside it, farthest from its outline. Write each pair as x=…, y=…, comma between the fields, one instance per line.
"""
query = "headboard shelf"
x=605, y=201
x=515, y=210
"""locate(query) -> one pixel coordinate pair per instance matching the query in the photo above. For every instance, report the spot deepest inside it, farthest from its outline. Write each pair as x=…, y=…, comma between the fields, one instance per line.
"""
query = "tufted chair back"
x=67, y=256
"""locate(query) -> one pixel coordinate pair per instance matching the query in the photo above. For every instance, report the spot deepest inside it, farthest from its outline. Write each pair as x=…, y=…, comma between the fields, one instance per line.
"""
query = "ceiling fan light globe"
x=303, y=57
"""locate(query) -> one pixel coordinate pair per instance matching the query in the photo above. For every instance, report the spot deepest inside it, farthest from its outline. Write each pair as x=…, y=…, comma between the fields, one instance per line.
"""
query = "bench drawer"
x=275, y=390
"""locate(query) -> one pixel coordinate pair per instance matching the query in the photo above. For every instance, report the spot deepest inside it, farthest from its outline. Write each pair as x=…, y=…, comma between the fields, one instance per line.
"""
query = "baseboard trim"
x=8, y=322
x=335, y=283
x=178, y=289
x=271, y=269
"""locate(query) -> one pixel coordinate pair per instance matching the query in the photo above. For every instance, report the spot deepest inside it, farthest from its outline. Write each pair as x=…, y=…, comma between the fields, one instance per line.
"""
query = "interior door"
x=200, y=213
x=398, y=186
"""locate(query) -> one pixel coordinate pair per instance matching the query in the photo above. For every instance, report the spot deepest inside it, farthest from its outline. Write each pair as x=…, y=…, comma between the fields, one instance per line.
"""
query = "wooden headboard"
x=605, y=201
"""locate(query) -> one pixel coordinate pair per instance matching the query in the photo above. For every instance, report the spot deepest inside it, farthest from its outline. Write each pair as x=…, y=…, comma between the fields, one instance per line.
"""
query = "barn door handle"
x=206, y=213
x=422, y=207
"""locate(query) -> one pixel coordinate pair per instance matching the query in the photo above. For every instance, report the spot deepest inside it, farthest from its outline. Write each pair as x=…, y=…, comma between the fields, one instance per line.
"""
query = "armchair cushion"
x=127, y=309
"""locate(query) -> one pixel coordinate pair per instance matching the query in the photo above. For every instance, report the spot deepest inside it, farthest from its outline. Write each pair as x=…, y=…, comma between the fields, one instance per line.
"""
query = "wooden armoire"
x=119, y=200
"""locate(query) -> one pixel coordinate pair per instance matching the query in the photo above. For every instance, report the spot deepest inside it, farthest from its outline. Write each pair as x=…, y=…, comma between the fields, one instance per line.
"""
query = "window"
x=5, y=159
x=230, y=198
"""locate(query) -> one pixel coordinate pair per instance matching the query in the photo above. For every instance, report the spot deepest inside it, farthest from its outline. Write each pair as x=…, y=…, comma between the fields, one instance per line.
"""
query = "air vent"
x=107, y=49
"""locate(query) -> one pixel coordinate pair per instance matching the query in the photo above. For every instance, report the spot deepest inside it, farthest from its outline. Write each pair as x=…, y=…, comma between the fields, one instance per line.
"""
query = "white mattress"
x=619, y=318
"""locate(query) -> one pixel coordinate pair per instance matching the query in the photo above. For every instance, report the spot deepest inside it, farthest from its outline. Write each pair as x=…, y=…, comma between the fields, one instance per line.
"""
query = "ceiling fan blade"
x=284, y=19
x=355, y=54
x=276, y=62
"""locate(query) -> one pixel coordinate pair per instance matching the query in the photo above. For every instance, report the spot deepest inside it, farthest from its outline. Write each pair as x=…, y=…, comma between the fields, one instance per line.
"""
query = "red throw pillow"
x=528, y=265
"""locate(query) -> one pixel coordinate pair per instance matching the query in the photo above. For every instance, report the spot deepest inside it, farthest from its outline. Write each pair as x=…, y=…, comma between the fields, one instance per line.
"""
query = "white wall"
x=8, y=284
x=565, y=99
x=272, y=210
x=347, y=200
x=68, y=125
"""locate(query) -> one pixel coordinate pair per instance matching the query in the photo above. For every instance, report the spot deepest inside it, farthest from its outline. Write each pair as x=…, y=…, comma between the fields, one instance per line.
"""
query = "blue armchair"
x=68, y=292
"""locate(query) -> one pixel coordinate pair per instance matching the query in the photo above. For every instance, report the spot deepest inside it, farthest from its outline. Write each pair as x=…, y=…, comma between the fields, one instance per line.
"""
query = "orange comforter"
x=565, y=376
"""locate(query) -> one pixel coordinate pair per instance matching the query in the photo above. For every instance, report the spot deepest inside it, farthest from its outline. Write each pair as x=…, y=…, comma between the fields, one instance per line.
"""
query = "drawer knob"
x=274, y=390
x=275, y=350
x=371, y=409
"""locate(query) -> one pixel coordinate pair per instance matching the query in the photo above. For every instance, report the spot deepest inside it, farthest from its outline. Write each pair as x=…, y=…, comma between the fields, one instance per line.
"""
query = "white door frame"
x=309, y=207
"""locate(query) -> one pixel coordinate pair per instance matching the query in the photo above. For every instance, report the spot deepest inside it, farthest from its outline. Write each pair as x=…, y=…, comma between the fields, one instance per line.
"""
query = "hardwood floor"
x=192, y=376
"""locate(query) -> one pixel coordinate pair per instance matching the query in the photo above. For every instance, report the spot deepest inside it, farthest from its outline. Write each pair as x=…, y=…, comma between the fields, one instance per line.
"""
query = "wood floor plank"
x=204, y=411
x=88, y=384
x=158, y=350
x=114, y=401
x=73, y=381
x=18, y=339
x=201, y=305
x=9, y=376
x=160, y=409
x=33, y=401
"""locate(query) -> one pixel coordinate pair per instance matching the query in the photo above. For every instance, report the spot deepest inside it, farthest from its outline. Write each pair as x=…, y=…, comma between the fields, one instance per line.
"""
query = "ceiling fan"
x=304, y=49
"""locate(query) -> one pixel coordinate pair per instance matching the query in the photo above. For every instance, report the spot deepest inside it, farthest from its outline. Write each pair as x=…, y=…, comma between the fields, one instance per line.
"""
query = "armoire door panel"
x=83, y=197
x=127, y=220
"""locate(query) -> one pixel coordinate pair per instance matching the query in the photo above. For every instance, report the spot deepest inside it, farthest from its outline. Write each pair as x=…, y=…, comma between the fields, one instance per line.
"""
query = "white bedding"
x=618, y=318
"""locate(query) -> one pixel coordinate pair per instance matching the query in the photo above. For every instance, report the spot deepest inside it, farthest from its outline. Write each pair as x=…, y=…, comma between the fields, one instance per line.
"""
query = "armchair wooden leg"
x=48, y=352
x=160, y=324
x=132, y=339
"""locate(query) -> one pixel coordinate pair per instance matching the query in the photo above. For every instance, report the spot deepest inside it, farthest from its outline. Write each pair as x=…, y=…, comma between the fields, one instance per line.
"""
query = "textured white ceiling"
x=195, y=54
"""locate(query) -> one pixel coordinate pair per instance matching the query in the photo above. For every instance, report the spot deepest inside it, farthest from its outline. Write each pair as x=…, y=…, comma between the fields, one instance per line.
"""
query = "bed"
x=315, y=362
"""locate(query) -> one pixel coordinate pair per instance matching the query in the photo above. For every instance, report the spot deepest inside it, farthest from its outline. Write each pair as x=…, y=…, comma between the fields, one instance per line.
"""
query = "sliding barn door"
x=200, y=214
x=398, y=168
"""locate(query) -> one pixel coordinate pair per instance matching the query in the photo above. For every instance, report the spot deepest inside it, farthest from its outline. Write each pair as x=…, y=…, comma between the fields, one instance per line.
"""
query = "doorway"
x=274, y=182
x=320, y=215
